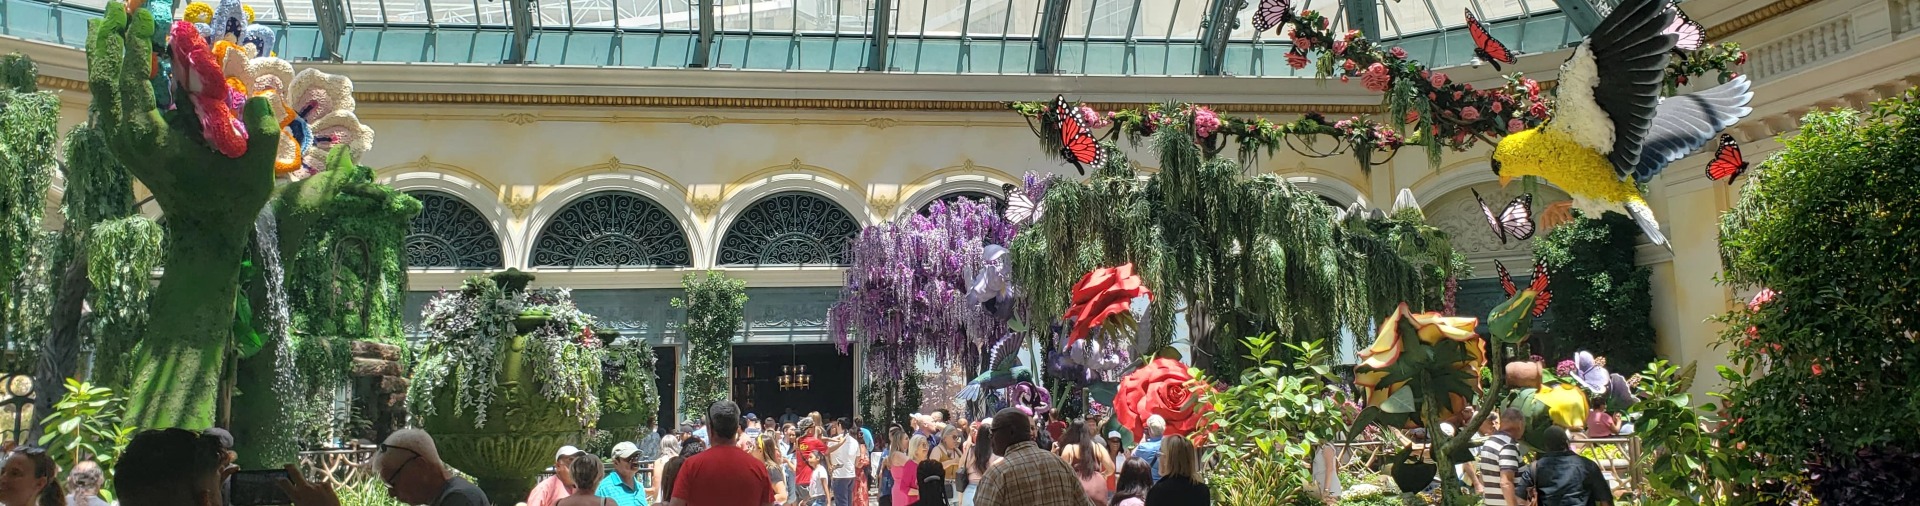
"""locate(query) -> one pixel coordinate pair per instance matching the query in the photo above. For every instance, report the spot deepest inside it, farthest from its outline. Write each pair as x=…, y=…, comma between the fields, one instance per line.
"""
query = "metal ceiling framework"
x=1064, y=37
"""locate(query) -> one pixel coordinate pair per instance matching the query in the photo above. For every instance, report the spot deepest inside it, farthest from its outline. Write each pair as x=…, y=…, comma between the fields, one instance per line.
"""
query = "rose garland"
x=1427, y=105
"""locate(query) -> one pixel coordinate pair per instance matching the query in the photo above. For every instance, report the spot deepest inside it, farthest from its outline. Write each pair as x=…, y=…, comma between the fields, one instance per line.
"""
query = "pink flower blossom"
x=1376, y=77
x=1469, y=113
x=1495, y=107
x=1296, y=60
x=1093, y=118
x=1538, y=110
x=1413, y=117
x=1339, y=47
x=1343, y=125
x=1299, y=43
x=1438, y=79
x=1398, y=52
x=1352, y=34
x=1741, y=59
x=1469, y=87
x=1349, y=65
x=1205, y=122
x=1564, y=368
x=1343, y=78
x=1457, y=96
x=1533, y=87
x=1515, y=125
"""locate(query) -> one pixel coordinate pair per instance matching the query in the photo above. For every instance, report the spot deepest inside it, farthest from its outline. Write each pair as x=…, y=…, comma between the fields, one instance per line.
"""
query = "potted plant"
x=497, y=396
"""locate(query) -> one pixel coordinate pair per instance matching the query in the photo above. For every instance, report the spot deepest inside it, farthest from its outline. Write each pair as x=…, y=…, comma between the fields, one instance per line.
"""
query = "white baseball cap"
x=566, y=451
x=625, y=449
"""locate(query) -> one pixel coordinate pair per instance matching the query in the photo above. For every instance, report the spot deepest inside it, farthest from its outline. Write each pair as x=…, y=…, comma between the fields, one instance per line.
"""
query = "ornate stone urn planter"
x=517, y=442
x=505, y=378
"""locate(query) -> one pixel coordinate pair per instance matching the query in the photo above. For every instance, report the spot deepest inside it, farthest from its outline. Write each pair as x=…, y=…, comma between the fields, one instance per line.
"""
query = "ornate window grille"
x=792, y=228
x=950, y=198
x=612, y=229
x=449, y=232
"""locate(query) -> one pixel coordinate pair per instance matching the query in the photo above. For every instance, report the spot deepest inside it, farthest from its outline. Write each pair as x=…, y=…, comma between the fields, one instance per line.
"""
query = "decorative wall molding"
x=1815, y=44
x=1755, y=17
x=1906, y=15
x=484, y=197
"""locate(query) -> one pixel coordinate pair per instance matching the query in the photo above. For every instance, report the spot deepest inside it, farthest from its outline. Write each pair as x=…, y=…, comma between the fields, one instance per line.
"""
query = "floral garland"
x=467, y=330
x=1425, y=107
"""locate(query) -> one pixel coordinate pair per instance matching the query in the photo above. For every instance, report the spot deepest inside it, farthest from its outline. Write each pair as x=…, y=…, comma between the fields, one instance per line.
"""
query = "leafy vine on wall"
x=1603, y=301
x=715, y=306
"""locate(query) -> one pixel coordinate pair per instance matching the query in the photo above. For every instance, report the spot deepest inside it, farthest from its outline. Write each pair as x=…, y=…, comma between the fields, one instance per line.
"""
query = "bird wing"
x=1683, y=124
x=1611, y=85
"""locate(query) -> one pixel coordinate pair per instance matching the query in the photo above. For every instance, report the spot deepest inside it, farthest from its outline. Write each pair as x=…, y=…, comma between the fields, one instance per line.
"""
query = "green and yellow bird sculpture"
x=1610, y=129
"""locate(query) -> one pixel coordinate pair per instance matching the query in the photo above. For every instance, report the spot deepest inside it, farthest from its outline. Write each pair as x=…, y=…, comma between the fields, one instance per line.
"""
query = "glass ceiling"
x=1102, y=37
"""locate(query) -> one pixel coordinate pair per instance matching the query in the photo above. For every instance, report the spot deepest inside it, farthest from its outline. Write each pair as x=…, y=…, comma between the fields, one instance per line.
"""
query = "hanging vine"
x=28, y=122
x=468, y=331
x=715, y=306
x=1240, y=255
x=121, y=256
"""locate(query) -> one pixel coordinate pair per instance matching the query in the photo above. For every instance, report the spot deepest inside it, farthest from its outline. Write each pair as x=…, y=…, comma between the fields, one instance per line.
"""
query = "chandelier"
x=795, y=377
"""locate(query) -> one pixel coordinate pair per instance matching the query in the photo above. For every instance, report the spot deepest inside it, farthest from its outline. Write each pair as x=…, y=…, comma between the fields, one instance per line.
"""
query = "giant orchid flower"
x=1443, y=349
x=1030, y=399
x=1590, y=373
x=319, y=115
x=1101, y=294
x=214, y=102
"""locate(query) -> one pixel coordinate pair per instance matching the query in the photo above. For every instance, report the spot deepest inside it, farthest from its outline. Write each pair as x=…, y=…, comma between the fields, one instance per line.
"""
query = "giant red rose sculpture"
x=1101, y=294
x=1163, y=387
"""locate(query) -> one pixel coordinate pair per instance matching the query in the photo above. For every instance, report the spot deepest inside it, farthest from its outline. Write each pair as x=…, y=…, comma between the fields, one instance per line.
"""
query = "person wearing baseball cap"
x=623, y=484
x=551, y=490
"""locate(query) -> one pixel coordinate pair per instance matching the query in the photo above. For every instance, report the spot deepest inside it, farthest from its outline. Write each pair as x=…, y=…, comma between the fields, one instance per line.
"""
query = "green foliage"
x=627, y=384
x=1270, y=421
x=87, y=424
x=98, y=187
x=121, y=255
x=715, y=306
x=890, y=403
x=343, y=237
x=1248, y=255
x=17, y=73
x=28, y=120
x=1602, y=300
x=367, y=493
x=1683, y=462
x=1830, y=366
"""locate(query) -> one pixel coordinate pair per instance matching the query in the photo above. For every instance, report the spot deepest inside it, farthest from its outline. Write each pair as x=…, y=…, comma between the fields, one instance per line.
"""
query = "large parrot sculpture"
x=1610, y=129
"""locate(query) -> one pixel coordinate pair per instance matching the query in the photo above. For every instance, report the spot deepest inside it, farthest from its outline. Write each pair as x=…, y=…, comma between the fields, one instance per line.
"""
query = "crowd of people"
x=730, y=459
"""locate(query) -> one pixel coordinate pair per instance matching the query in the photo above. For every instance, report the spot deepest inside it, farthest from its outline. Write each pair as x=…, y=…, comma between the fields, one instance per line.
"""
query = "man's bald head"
x=410, y=463
x=1010, y=427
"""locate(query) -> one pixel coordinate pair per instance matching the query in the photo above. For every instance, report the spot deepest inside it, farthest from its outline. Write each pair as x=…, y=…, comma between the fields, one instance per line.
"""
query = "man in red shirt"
x=724, y=475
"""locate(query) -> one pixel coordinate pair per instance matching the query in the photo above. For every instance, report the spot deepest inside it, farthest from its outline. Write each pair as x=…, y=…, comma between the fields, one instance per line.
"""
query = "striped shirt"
x=1496, y=455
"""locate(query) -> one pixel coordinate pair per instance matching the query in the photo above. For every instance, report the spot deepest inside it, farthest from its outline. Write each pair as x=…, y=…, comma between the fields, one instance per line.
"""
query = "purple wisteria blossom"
x=906, y=293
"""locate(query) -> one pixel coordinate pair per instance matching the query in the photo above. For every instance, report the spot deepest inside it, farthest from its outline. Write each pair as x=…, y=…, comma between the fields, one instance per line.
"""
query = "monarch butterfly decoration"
x=1538, y=285
x=1515, y=221
x=1727, y=161
x=1272, y=14
x=1077, y=144
x=1486, y=47
x=1688, y=34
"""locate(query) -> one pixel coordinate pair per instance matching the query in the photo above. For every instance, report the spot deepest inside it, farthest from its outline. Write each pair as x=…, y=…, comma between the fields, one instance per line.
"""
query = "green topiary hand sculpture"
x=210, y=200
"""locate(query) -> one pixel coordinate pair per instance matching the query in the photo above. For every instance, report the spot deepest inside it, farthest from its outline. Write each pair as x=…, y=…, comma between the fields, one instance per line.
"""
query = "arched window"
x=612, y=229
x=791, y=228
x=449, y=232
x=950, y=198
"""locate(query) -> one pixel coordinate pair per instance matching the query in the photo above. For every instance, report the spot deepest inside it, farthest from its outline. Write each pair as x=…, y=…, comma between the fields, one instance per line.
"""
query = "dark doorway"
x=666, y=375
x=756, y=379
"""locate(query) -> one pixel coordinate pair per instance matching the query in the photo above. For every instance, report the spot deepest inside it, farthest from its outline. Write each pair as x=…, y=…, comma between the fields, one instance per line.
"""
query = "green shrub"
x=87, y=424
x=1828, y=369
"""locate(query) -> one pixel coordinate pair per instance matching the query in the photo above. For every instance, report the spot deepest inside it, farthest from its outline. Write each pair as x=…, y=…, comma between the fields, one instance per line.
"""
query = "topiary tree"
x=1602, y=301
x=1826, y=361
x=715, y=306
x=210, y=200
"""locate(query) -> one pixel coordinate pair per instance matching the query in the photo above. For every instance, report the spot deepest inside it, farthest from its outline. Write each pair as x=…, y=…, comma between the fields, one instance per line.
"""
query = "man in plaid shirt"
x=1030, y=476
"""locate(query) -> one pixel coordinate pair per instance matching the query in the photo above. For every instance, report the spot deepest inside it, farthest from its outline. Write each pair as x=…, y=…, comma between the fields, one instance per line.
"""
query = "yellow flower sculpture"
x=1444, y=356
